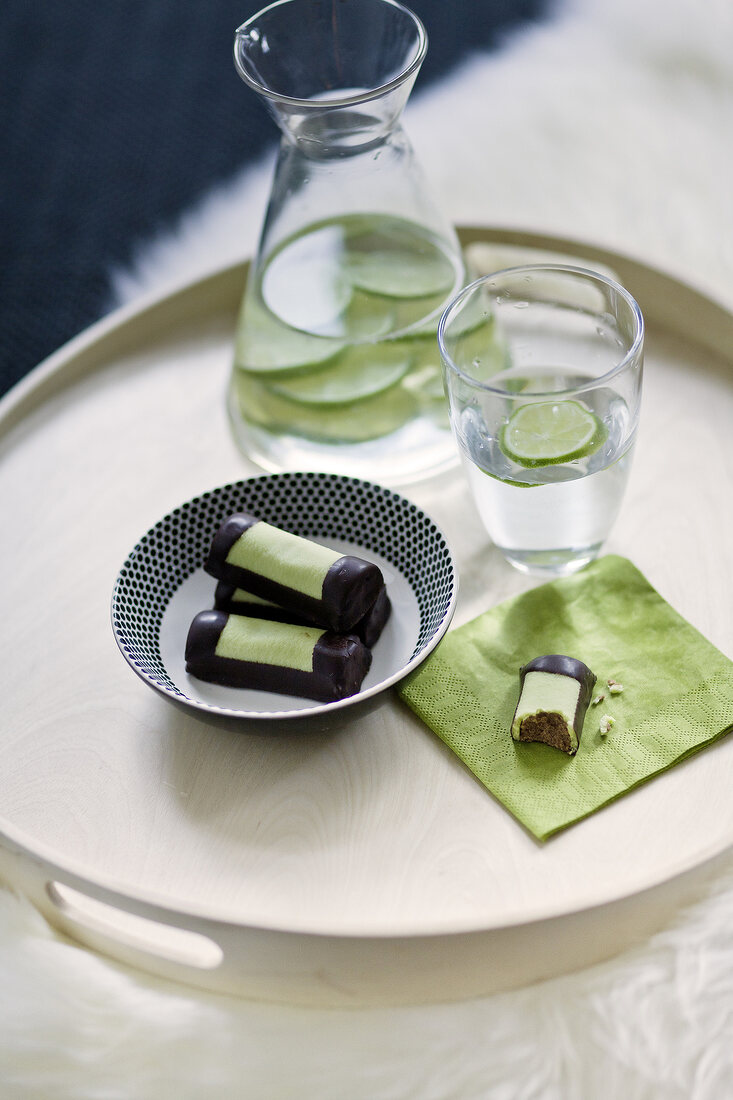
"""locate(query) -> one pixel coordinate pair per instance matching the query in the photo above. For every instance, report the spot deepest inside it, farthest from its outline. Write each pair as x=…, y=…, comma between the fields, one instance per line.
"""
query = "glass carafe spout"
x=336, y=79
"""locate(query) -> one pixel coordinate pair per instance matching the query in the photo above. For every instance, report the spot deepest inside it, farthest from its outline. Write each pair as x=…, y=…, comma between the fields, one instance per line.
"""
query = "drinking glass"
x=543, y=371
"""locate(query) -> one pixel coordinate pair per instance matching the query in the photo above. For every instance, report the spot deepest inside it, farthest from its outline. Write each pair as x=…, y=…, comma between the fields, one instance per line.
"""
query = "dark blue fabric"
x=114, y=118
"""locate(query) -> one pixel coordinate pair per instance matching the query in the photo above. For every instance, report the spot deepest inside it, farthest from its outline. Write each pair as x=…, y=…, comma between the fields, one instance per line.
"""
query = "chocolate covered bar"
x=332, y=589
x=243, y=652
x=554, y=695
x=227, y=597
x=238, y=602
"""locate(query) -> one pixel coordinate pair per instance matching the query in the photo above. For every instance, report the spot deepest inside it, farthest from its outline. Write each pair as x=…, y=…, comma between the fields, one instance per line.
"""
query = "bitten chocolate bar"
x=554, y=695
x=332, y=589
x=243, y=652
x=238, y=602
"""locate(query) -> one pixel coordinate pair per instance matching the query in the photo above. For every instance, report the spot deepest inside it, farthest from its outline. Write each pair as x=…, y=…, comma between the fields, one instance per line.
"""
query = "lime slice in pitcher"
x=359, y=373
x=544, y=433
x=401, y=273
x=264, y=346
x=357, y=422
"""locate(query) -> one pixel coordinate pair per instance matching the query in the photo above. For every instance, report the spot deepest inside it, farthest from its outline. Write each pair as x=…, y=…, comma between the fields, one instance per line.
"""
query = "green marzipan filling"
x=288, y=559
x=268, y=643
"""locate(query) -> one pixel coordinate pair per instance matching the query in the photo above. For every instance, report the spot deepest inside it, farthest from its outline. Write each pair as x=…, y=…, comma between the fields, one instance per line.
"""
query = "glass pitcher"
x=336, y=363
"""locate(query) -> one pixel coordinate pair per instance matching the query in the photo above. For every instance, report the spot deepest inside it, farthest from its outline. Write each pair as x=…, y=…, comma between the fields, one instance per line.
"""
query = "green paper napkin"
x=677, y=697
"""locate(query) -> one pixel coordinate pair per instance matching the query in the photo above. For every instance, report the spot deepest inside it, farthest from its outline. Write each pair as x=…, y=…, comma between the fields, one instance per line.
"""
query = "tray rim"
x=78, y=357
x=160, y=907
x=31, y=389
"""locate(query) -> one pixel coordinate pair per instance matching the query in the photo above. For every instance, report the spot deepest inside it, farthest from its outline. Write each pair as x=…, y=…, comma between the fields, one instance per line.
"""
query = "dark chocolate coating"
x=371, y=626
x=340, y=664
x=350, y=586
x=368, y=629
x=561, y=665
x=224, y=601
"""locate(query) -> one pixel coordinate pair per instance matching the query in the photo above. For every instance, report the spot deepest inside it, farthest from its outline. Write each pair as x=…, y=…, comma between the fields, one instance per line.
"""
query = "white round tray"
x=364, y=865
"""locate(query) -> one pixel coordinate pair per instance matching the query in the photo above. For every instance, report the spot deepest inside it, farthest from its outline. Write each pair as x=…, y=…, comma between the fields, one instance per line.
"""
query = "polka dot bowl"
x=162, y=586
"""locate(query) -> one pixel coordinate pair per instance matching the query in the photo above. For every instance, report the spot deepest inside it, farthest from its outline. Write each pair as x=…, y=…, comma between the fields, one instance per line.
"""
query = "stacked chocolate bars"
x=289, y=616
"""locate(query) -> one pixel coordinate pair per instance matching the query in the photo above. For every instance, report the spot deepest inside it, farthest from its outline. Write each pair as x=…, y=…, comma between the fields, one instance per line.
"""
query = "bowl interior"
x=162, y=584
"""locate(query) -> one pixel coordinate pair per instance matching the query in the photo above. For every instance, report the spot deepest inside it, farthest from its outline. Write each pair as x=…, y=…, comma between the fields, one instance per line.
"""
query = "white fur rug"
x=612, y=122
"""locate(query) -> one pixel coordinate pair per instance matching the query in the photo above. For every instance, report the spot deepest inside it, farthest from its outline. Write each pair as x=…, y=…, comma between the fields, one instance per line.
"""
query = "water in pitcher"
x=337, y=338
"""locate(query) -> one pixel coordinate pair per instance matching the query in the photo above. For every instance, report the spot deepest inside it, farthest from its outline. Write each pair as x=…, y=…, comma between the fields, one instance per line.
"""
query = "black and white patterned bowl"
x=162, y=585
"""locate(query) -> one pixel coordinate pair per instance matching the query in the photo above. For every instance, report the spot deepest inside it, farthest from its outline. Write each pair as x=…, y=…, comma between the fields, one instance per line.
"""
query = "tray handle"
x=80, y=912
x=137, y=932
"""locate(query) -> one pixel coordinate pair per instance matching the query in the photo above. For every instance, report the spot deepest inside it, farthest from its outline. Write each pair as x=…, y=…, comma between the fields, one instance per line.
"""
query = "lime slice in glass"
x=544, y=433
